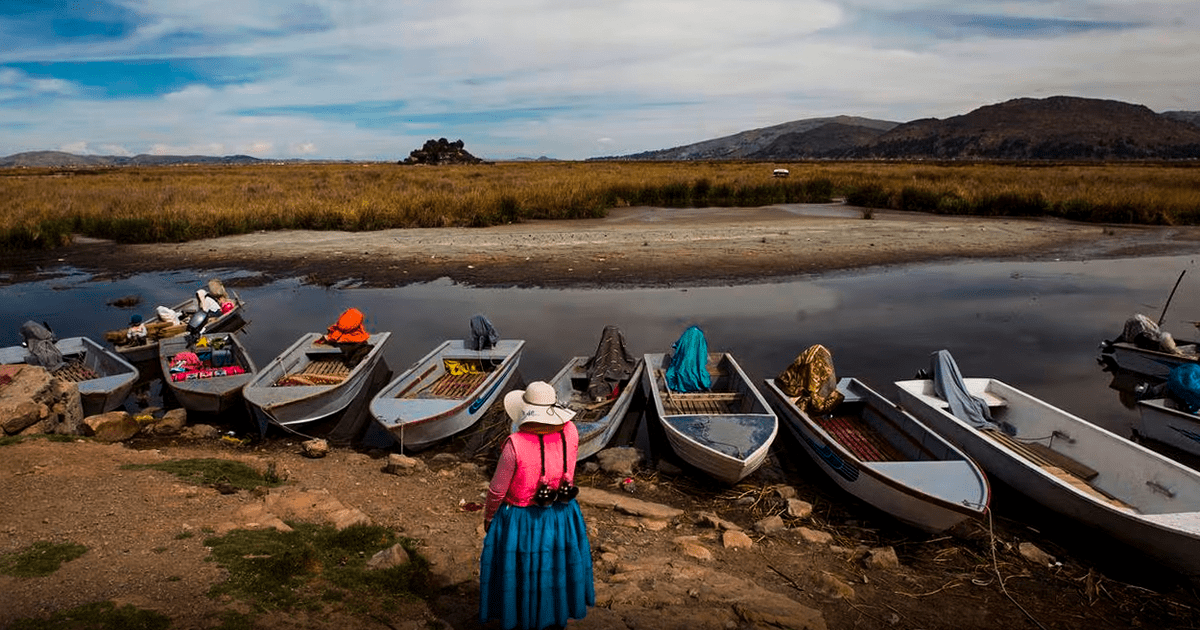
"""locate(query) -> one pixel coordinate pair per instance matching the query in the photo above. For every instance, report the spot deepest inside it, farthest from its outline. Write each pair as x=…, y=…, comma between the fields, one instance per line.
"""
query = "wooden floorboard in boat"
x=75, y=372
x=859, y=438
x=330, y=371
x=715, y=403
x=451, y=386
x=1073, y=472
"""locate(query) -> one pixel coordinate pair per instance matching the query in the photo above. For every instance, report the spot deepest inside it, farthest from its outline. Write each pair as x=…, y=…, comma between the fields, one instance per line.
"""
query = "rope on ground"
x=996, y=566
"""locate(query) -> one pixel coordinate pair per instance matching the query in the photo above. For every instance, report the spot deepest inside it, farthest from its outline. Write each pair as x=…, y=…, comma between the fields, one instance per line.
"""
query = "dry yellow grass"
x=43, y=207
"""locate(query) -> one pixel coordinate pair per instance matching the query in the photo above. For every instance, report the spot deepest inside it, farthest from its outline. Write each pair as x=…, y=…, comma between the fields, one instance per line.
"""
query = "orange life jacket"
x=349, y=328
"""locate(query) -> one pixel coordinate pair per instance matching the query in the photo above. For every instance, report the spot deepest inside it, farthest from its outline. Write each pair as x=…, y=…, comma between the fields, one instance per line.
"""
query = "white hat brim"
x=521, y=412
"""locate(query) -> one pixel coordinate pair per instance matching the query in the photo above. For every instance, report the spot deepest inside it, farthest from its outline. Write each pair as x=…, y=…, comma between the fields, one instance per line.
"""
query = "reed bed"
x=43, y=208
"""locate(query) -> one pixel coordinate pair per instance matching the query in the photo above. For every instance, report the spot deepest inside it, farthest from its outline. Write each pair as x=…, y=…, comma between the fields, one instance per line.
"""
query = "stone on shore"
x=114, y=426
x=33, y=401
x=626, y=504
x=620, y=460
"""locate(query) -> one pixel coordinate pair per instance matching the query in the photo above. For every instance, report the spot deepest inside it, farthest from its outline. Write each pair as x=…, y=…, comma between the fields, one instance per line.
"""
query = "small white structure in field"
x=780, y=172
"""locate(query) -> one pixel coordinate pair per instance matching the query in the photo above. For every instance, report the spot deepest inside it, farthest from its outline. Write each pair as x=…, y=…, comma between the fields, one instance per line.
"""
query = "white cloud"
x=600, y=77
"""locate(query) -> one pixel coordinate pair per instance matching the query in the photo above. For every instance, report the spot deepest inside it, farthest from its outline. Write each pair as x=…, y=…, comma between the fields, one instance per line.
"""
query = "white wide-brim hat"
x=536, y=403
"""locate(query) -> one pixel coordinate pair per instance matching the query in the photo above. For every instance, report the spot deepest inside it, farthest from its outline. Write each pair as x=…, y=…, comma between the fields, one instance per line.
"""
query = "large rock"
x=626, y=505
x=620, y=460
x=315, y=505
x=114, y=426
x=33, y=401
x=441, y=151
x=661, y=592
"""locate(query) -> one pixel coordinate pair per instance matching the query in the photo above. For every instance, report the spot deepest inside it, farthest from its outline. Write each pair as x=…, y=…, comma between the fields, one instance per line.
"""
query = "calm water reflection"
x=1035, y=325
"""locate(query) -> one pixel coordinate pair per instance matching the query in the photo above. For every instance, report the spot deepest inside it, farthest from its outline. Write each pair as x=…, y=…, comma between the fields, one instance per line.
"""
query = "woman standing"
x=536, y=568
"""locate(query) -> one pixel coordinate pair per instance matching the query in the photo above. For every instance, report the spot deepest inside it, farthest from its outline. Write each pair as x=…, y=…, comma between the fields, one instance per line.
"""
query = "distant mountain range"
x=1054, y=128
x=56, y=159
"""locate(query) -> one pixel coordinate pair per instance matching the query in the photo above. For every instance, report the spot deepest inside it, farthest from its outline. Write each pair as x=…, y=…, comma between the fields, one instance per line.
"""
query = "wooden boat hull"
x=597, y=423
x=302, y=404
x=428, y=402
x=1077, y=469
x=215, y=394
x=887, y=458
x=108, y=391
x=1163, y=423
x=1153, y=364
x=726, y=432
x=232, y=321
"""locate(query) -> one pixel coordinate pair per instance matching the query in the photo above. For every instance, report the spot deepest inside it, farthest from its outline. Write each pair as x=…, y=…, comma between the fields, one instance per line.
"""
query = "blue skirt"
x=536, y=567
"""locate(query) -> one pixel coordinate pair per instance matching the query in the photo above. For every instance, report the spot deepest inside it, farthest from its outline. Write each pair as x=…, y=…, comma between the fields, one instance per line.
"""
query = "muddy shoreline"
x=629, y=247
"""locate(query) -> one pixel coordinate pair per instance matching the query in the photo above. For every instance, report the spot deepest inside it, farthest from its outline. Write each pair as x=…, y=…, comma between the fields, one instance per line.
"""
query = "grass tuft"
x=39, y=559
x=212, y=471
x=314, y=564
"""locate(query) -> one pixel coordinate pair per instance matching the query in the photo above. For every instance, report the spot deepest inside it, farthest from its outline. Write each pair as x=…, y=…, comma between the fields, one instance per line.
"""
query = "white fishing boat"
x=887, y=458
x=725, y=431
x=309, y=381
x=1143, y=348
x=445, y=392
x=1161, y=420
x=597, y=420
x=104, y=378
x=213, y=384
x=1073, y=467
x=1151, y=363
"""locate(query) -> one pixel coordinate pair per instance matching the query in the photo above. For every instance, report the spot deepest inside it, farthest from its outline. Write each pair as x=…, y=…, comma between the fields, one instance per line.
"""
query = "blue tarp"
x=1183, y=384
x=688, y=371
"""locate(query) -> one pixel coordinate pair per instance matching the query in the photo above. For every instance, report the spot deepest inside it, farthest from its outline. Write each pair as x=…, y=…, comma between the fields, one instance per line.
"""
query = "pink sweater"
x=520, y=467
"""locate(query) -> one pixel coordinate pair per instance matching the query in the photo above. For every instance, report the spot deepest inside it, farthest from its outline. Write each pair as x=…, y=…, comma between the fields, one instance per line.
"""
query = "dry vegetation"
x=44, y=207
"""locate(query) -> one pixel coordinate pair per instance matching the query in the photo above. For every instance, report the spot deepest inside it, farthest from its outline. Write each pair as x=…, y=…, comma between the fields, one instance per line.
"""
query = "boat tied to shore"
x=875, y=450
x=1069, y=465
x=713, y=416
x=449, y=389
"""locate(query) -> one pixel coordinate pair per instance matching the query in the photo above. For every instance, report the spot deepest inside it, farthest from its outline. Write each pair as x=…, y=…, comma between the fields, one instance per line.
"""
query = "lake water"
x=1036, y=325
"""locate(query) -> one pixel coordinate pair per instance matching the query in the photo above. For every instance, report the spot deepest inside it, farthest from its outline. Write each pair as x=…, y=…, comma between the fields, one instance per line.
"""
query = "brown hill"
x=1055, y=128
x=829, y=140
x=748, y=144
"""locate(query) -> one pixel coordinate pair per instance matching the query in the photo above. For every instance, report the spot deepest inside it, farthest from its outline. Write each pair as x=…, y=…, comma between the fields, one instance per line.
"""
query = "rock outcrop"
x=441, y=151
x=33, y=401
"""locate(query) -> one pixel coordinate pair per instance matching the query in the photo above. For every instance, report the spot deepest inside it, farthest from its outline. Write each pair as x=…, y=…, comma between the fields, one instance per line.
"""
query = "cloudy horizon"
x=373, y=80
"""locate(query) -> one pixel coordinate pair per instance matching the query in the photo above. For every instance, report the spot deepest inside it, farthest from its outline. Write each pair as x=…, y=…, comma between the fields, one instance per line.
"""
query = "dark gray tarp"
x=39, y=341
x=949, y=386
x=483, y=334
x=610, y=365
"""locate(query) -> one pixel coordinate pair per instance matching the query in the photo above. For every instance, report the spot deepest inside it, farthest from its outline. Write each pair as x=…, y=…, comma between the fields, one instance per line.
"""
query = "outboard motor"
x=195, y=326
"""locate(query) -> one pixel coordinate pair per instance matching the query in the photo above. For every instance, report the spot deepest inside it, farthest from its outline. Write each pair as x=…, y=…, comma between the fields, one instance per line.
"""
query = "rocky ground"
x=670, y=550
x=686, y=554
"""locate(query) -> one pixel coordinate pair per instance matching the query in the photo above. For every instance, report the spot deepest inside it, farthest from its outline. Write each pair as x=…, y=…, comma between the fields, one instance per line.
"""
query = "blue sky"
x=374, y=79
